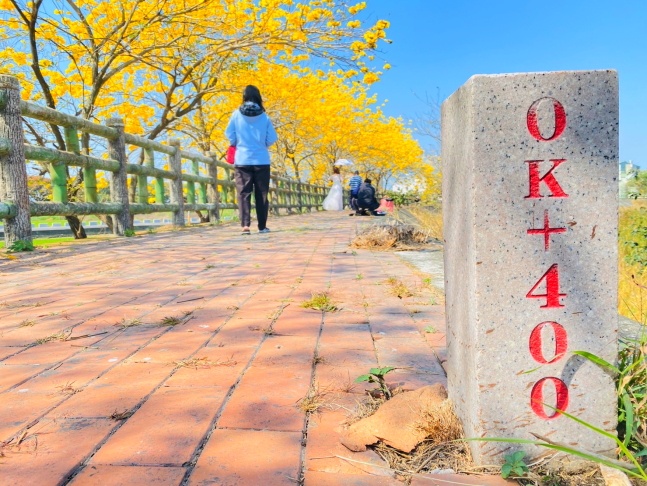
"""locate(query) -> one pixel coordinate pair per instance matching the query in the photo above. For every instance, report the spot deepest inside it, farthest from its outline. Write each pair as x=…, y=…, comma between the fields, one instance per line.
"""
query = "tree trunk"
x=13, y=168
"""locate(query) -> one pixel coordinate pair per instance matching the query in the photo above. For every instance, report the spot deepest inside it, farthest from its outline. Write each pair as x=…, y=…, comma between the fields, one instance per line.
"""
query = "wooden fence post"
x=300, y=196
x=13, y=167
x=119, y=186
x=177, y=191
x=213, y=196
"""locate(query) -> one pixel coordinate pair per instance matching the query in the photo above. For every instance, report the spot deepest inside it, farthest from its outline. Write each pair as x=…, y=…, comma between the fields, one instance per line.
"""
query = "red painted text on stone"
x=537, y=397
x=536, y=342
x=535, y=180
x=546, y=231
x=560, y=120
x=552, y=295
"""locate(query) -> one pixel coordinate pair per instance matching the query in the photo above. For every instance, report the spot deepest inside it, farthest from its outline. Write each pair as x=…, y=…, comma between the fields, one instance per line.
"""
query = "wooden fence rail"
x=212, y=194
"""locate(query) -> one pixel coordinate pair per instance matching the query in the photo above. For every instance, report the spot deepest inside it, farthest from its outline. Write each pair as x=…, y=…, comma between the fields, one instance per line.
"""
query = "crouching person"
x=366, y=201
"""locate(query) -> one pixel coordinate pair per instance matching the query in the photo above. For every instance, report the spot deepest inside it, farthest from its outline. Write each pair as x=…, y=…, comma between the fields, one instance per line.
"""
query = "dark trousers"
x=253, y=178
x=353, y=201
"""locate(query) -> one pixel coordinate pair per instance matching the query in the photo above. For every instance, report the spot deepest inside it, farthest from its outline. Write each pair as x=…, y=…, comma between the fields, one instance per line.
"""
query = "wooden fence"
x=212, y=194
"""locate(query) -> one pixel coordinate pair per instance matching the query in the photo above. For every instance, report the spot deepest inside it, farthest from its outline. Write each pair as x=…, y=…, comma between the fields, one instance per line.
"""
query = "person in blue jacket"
x=251, y=132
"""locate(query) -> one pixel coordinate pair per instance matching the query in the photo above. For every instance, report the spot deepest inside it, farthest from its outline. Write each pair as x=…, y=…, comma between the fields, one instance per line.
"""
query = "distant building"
x=626, y=172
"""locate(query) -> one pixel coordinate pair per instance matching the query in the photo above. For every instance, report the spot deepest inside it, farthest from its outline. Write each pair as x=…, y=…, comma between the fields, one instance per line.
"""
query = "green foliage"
x=514, y=465
x=20, y=245
x=633, y=235
x=359, y=276
x=404, y=198
x=376, y=375
x=320, y=301
x=634, y=468
x=631, y=383
x=638, y=187
x=129, y=233
x=430, y=329
x=151, y=231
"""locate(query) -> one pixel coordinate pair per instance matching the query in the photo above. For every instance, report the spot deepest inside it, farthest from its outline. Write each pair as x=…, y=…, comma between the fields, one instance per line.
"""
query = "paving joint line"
x=190, y=465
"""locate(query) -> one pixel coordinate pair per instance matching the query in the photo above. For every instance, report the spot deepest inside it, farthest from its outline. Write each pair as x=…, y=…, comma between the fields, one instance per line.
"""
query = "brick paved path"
x=233, y=418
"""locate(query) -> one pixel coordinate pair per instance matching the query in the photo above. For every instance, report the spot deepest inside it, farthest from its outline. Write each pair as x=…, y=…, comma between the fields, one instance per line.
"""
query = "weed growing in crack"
x=57, y=336
x=376, y=375
x=203, y=363
x=68, y=389
x=27, y=323
x=315, y=400
x=170, y=321
x=320, y=301
x=399, y=288
x=430, y=330
x=126, y=323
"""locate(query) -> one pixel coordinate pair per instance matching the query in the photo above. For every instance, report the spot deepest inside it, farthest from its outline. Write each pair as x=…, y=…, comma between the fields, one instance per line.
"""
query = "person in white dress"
x=335, y=199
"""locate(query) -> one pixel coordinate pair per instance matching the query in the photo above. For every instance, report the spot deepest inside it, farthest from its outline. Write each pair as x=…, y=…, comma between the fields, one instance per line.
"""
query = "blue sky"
x=437, y=46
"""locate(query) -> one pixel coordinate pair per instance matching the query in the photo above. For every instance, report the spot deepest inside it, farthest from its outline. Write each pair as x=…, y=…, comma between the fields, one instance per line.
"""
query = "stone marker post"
x=530, y=167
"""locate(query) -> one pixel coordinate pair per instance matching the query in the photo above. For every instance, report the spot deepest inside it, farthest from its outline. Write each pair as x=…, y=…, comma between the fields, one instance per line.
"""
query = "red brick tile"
x=120, y=389
x=44, y=354
x=20, y=407
x=11, y=375
x=214, y=375
x=283, y=350
x=130, y=338
x=476, y=480
x=8, y=351
x=267, y=397
x=165, y=430
x=60, y=448
x=324, y=433
x=298, y=323
x=170, y=347
x=226, y=459
x=314, y=478
x=101, y=475
x=347, y=336
x=412, y=353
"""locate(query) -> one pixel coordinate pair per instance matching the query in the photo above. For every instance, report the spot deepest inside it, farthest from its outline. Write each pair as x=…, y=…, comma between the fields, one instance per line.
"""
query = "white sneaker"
x=266, y=230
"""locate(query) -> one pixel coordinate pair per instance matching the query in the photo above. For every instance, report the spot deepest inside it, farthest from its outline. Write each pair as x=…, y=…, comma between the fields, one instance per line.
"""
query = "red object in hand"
x=231, y=154
x=387, y=206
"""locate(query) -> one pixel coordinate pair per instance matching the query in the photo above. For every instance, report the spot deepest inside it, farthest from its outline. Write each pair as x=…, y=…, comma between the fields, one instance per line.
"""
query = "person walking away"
x=354, y=184
x=335, y=199
x=366, y=200
x=251, y=131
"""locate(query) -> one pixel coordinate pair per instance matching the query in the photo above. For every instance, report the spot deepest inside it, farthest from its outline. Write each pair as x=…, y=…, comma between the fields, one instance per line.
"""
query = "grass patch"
x=391, y=236
x=57, y=336
x=320, y=301
x=127, y=323
x=399, y=289
x=315, y=400
x=170, y=321
x=27, y=323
